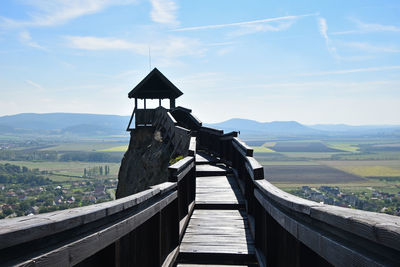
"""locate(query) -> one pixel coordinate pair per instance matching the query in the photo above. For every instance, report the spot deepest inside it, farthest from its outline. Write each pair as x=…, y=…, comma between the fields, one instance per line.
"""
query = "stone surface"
x=145, y=163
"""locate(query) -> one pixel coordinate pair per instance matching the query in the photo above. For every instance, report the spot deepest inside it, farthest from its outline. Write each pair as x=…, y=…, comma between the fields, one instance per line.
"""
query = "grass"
x=262, y=149
x=115, y=149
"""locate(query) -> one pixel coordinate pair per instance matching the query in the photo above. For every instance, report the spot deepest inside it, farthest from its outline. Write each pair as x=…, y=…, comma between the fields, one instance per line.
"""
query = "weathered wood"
x=242, y=147
x=219, y=191
x=178, y=170
x=219, y=232
x=211, y=170
x=192, y=147
x=336, y=251
x=203, y=158
x=76, y=251
x=255, y=169
x=380, y=228
x=24, y=229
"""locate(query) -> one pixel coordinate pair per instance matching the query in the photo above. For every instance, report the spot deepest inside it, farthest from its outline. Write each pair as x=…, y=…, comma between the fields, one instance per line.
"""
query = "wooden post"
x=159, y=102
x=172, y=103
x=145, y=114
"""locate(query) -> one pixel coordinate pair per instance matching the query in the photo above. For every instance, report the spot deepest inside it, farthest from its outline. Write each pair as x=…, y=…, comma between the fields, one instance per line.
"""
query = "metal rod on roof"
x=149, y=59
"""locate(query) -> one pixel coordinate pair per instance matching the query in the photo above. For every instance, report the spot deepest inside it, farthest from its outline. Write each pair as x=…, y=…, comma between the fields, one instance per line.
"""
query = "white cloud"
x=372, y=69
x=257, y=23
x=104, y=43
x=372, y=48
x=36, y=85
x=323, y=29
x=164, y=11
x=56, y=12
x=26, y=39
x=170, y=47
x=368, y=28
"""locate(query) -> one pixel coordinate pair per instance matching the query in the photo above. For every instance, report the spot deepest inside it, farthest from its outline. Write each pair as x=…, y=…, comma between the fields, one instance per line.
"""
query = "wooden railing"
x=143, y=229
x=291, y=231
x=144, y=117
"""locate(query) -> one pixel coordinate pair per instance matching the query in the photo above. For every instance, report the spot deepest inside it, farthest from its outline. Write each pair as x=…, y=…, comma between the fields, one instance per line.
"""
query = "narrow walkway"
x=218, y=232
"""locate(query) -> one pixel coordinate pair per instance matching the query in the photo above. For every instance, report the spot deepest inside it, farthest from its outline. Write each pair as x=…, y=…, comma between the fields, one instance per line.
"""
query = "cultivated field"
x=308, y=174
x=65, y=171
x=86, y=146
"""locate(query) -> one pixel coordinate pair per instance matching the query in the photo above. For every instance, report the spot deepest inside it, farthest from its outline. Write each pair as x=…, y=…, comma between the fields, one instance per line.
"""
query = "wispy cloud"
x=26, y=39
x=169, y=47
x=104, y=43
x=56, y=12
x=349, y=71
x=362, y=27
x=367, y=47
x=323, y=29
x=164, y=11
x=36, y=85
x=245, y=23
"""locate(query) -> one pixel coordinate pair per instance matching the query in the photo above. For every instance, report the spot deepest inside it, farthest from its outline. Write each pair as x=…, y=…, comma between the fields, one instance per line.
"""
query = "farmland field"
x=72, y=169
x=115, y=149
x=86, y=147
x=368, y=168
x=308, y=174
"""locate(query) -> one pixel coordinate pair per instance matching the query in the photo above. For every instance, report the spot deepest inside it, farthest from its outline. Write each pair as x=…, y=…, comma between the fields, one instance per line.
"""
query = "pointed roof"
x=155, y=86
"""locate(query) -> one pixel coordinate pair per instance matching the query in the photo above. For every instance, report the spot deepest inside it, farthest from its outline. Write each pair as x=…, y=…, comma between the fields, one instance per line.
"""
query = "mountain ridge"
x=106, y=124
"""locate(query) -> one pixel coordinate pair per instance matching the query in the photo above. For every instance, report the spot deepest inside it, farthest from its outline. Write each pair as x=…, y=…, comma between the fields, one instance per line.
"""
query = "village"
x=370, y=200
x=23, y=200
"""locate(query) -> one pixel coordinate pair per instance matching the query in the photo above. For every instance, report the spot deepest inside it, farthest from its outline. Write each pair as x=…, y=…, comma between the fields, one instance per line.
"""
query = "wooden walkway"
x=218, y=231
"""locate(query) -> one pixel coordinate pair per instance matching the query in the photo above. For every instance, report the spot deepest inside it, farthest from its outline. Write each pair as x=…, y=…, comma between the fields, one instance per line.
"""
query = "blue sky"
x=309, y=61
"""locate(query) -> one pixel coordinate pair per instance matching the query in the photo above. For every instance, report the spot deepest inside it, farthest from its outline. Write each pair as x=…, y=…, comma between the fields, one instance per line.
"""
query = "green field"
x=115, y=149
x=85, y=147
x=344, y=146
x=262, y=149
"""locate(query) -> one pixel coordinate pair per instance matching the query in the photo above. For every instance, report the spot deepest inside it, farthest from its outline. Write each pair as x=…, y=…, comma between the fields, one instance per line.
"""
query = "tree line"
x=16, y=155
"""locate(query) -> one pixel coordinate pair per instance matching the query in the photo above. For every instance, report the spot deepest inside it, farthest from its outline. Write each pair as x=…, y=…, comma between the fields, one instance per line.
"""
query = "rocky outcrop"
x=146, y=161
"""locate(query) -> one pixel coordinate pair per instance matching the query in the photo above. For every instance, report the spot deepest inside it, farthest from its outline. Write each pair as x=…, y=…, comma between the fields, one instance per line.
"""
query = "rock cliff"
x=146, y=161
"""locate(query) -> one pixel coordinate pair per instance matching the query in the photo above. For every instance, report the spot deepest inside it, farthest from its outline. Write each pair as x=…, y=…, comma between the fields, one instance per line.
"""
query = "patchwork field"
x=367, y=168
x=86, y=147
x=303, y=147
x=63, y=171
x=308, y=174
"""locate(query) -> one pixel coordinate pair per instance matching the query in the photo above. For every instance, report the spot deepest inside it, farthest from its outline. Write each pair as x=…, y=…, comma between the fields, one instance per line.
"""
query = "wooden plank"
x=211, y=170
x=227, y=232
x=78, y=250
x=23, y=229
x=203, y=158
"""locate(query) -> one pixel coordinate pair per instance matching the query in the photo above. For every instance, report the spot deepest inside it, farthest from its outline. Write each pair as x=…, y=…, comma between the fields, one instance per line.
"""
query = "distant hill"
x=97, y=125
x=64, y=123
x=250, y=127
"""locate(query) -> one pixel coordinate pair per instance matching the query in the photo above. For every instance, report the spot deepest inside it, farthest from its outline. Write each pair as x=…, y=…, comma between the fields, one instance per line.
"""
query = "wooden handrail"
x=68, y=237
x=330, y=234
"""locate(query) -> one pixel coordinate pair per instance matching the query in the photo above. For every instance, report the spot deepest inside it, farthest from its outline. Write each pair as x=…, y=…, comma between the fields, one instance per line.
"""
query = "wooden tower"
x=154, y=86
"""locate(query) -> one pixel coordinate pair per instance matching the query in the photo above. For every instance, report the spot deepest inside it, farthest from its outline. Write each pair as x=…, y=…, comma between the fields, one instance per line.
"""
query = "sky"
x=308, y=61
